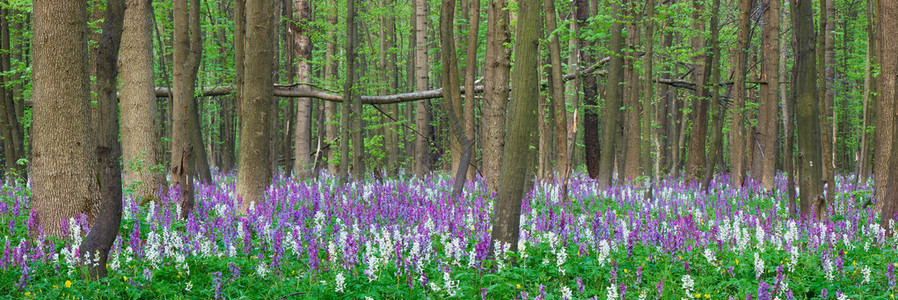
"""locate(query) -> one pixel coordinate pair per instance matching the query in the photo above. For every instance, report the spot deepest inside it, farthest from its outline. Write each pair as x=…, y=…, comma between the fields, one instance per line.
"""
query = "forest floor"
x=405, y=238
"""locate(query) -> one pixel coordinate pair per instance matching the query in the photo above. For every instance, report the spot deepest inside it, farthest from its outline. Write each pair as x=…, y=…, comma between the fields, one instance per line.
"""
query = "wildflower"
x=611, y=292
x=866, y=271
x=68, y=283
x=759, y=266
x=341, y=283
x=688, y=284
x=566, y=293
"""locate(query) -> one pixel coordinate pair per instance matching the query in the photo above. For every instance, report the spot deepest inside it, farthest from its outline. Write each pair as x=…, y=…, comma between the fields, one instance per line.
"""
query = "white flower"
x=759, y=266
x=866, y=272
x=611, y=292
x=566, y=293
x=688, y=285
x=341, y=283
x=262, y=269
x=451, y=286
x=189, y=286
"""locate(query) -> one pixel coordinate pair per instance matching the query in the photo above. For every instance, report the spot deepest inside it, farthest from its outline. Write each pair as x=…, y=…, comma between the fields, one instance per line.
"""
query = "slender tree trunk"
x=594, y=165
x=718, y=113
x=64, y=165
x=451, y=91
x=788, y=124
x=302, y=47
x=186, y=64
x=497, y=65
x=737, y=122
x=562, y=160
x=827, y=73
x=770, y=93
x=140, y=139
x=867, y=137
x=10, y=124
x=611, y=126
x=805, y=92
x=633, y=108
x=471, y=72
x=422, y=116
x=525, y=90
x=651, y=148
x=330, y=108
x=99, y=240
x=572, y=97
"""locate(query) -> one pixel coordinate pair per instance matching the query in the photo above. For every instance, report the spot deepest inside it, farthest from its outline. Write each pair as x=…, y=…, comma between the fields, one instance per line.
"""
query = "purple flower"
x=217, y=281
x=824, y=293
x=891, y=275
x=763, y=291
x=580, y=287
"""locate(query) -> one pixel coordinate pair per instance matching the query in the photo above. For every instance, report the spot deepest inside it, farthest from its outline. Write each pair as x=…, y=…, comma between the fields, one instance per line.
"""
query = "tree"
x=826, y=62
x=521, y=127
x=737, y=121
x=422, y=115
x=718, y=113
x=611, y=127
x=887, y=16
x=865, y=167
x=767, y=115
x=556, y=87
x=302, y=46
x=650, y=142
x=804, y=86
x=471, y=71
x=254, y=172
x=885, y=103
x=186, y=64
x=450, y=92
x=495, y=95
x=140, y=139
x=632, y=130
x=594, y=163
x=696, y=157
x=96, y=245
x=9, y=121
x=330, y=108
x=64, y=165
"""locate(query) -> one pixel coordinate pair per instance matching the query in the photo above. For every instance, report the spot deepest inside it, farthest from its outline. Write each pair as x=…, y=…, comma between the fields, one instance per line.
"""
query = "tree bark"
x=471, y=72
x=611, y=126
x=64, y=165
x=695, y=163
x=99, y=240
x=562, y=160
x=737, y=121
x=804, y=85
x=633, y=130
x=827, y=73
x=651, y=148
x=865, y=166
x=9, y=121
x=887, y=16
x=330, y=108
x=521, y=128
x=422, y=116
x=886, y=86
x=140, y=139
x=450, y=83
x=767, y=115
x=186, y=64
x=718, y=112
x=302, y=48
x=497, y=66
x=254, y=173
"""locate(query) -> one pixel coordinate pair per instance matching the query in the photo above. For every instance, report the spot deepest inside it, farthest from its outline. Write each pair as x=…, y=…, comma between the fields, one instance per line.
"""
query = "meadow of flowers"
x=406, y=238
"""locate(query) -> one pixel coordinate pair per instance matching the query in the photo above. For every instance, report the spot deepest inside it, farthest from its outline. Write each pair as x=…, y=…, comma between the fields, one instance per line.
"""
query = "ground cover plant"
x=406, y=238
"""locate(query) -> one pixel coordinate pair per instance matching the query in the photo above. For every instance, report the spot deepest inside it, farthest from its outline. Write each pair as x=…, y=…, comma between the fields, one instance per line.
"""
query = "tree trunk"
x=827, y=63
x=451, y=88
x=695, y=164
x=865, y=166
x=651, y=148
x=804, y=85
x=521, y=127
x=611, y=127
x=302, y=48
x=9, y=121
x=633, y=131
x=562, y=160
x=886, y=86
x=767, y=115
x=497, y=65
x=788, y=124
x=471, y=72
x=330, y=108
x=140, y=139
x=887, y=14
x=254, y=173
x=64, y=165
x=186, y=64
x=99, y=240
x=422, y=116
x=718, y=113
x=737, y=121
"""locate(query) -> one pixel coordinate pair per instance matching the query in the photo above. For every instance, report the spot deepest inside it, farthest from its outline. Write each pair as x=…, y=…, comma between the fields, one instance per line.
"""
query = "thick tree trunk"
x=804, y=86
x=591, y=143
x=354, y=101
x=651, y=148
x=254, y=173
x=302, y=48
x=887, y=16
x=521, y=128
x=827, y=73
x=633, y=130
x=886, y=86
x=140, y=139
x=497, y=65
x=737, y=120
x=99, y=240
x=695, y=164
x=767, y=115
x=64, y=165
x=611, y=126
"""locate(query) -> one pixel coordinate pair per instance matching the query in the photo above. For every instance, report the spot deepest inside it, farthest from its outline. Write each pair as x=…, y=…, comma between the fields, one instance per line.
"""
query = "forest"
x=493, y=149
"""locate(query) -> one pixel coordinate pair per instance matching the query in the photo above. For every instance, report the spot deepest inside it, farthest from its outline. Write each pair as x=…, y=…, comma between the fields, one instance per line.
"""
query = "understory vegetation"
x=405, y=237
